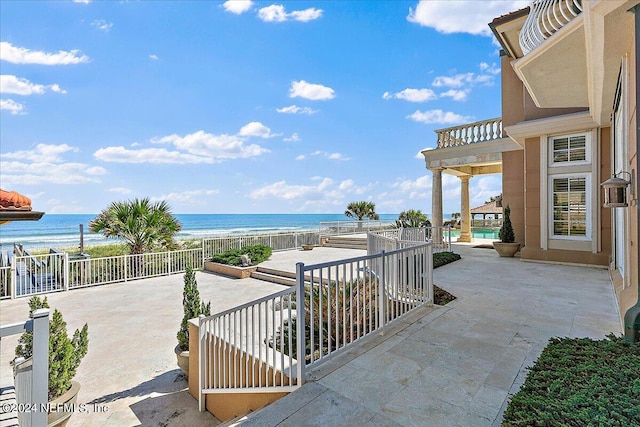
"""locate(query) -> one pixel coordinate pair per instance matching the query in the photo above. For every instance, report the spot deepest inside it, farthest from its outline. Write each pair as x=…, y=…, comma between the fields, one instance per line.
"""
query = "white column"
x=436, y=205
x=465, y=214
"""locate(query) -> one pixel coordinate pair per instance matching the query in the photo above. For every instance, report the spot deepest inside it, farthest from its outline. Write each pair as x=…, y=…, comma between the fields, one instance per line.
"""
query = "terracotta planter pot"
x=506, y=249
x=68, y=400
x=183, y=360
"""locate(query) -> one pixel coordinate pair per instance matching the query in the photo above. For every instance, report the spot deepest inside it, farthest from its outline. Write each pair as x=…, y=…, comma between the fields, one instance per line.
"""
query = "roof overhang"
x=472, y=159
x=578, y=65
x=550, y=126
x=17, y=215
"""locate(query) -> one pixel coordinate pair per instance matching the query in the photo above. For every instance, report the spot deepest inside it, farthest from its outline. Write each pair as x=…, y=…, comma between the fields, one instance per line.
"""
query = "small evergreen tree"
x=192, y=306
x=65, y=354
x=506, y=231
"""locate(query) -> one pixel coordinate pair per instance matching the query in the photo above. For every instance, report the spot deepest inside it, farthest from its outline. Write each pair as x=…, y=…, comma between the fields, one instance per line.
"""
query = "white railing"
x=471, y=133
x=35, y=274
x=31, y=377
x=334, y=228
x=277, y=242
x=260, y=346
x=546, y=17
x=439, y=237
x=100, y=271
x=249, y=348
x=5, y=280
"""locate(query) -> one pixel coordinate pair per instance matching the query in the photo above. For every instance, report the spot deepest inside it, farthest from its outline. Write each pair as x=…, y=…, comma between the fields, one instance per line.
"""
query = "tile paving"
x=439, y=366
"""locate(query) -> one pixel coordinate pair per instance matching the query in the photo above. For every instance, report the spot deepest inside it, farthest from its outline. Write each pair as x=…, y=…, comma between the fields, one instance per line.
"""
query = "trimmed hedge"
x=580, y=382
x=257, y=253
x=443, y=258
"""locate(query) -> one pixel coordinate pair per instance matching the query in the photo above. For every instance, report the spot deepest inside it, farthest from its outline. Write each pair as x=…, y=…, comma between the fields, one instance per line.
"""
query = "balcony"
x=545, y=19
x=470, y=133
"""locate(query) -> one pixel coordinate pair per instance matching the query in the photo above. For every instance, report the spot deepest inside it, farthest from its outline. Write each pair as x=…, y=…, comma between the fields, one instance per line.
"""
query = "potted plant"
x=192, y=307
x=65, y=355
x=506, y=247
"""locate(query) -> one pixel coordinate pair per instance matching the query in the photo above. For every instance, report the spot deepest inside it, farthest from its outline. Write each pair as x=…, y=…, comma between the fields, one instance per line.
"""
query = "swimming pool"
x=479, y=233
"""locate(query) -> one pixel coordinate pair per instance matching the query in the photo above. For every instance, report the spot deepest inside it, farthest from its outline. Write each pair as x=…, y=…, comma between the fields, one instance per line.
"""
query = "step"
x=273, y=278
x=275, y=272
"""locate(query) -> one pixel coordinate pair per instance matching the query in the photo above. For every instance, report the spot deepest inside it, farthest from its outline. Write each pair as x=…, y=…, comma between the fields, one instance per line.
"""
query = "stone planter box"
x=307, y=247
x=230, y=270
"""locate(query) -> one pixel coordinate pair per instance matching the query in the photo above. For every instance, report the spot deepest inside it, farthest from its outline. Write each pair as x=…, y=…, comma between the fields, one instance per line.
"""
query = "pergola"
x=490, y=208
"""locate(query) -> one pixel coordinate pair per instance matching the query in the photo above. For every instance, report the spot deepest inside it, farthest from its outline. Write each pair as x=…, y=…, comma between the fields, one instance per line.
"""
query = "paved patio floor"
x=454, y=365
x=440, y=366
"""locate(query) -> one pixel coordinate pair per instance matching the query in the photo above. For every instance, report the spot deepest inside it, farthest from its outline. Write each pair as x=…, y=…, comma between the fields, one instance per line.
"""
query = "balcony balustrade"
x=546, y=17
x=470, y=133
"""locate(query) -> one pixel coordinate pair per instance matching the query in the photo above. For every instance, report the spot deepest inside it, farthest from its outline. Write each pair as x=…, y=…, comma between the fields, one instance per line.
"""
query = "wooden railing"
x=471, y=133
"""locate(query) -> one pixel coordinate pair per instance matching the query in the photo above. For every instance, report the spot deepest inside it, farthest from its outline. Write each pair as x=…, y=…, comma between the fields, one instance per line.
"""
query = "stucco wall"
x=225, y=406
x=628, y=296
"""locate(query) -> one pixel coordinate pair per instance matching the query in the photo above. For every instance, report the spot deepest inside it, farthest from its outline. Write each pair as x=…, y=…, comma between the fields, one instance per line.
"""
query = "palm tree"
x=143, y=225
x=361, y=210
x=412, y=219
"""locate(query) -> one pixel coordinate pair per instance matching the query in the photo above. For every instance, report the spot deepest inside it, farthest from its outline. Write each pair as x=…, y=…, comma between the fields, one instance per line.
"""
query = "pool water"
x=479, y=233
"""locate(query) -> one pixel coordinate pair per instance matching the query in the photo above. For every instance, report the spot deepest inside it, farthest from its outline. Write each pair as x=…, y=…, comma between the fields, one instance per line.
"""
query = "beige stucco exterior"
x=567, y=86
x=225, y=406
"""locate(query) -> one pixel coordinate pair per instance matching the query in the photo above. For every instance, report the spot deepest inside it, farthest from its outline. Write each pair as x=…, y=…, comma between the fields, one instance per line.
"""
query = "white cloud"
x=12, y=106
x=195, y=148
x=190, y=197
x=419, y=154
x=20, y=86
x=330, y=156
x=120, y=190
x=43, y=153
x=153, y=56
x=469, y=16
x=102, y=25
x=44, y=164
x=412, y=95
x=277, y=13
x=294, y=109
x=456, y=95
x=306, y=15
x=256, y=129
x=20, y=55
x=325, y=191
x=491, y=69
x=438, y=117
x=293, y=138
x=82, y=1
x=237, y=6
x=301, y=157
x=311, y=91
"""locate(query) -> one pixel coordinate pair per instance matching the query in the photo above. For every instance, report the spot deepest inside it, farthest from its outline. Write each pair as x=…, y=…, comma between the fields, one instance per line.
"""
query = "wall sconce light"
x=615, y=191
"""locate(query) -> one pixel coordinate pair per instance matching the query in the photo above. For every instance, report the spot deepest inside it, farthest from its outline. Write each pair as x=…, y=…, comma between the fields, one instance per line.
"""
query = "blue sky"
x=241, y=106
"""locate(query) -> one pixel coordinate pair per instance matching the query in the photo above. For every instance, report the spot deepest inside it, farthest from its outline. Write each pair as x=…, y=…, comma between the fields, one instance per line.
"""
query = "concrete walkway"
x=454, y=365
x=129, y=376
x=440, y=366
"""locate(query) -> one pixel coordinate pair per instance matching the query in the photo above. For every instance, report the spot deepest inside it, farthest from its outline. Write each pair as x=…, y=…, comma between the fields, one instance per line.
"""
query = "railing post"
x=300, y=324
x=40, y=373
x=295, y=240
x=13, y=277
x=169, y=269
x=202, y=403
x=66, y=271
x=381, y=292
x=126, y=263
x=449, y=238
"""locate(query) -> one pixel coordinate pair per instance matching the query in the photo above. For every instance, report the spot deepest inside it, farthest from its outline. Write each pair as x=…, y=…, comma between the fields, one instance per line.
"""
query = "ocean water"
x=55, y=231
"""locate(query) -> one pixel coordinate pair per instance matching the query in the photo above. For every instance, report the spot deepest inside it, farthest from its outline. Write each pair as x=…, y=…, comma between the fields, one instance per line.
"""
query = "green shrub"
x=443, y=258
x=506, y=233
x=580, y=382
x=65, y=354
x=257, y=253
x=192, y=307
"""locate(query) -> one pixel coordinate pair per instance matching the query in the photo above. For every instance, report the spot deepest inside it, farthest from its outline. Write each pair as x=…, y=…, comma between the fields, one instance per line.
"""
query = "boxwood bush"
x=257, y=253
x=443, y=258
x=580, y=382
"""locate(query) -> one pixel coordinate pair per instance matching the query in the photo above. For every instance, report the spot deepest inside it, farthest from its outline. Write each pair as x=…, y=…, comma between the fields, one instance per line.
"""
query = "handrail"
x=470, y=133
x=546, y=17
